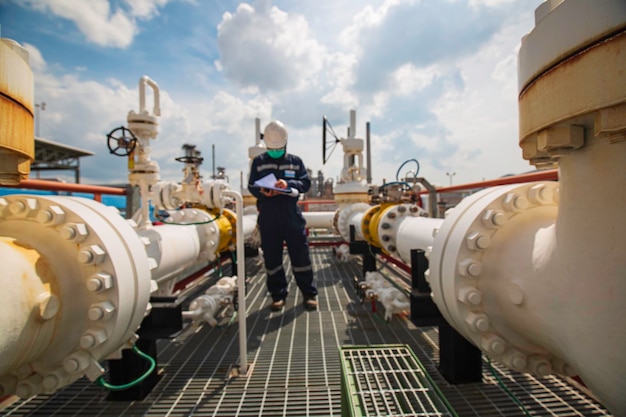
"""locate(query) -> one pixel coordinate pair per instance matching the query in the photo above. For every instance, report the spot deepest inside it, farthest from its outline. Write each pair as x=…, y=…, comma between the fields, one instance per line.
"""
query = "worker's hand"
x=271, y=193
x=268, y=193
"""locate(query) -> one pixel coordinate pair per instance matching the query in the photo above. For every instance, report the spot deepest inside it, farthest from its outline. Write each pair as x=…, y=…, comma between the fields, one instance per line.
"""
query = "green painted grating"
x=388, y=380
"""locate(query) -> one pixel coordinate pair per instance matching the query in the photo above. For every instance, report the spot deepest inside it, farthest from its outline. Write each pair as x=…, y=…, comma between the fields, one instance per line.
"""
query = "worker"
x=280, y=219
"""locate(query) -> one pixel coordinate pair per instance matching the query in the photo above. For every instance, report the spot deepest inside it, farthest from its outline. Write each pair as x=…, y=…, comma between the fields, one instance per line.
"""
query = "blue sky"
x=437, y=80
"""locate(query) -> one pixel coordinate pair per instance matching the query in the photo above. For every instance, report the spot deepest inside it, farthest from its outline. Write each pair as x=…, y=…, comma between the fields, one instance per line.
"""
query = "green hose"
x=131, y=384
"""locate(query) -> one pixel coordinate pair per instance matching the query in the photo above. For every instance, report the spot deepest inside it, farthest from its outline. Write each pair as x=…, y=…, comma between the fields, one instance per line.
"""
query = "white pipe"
x=87, y=262
x=352, y=133
x=537, y=289
x=241, y=282
x=173, y=249
x=257, y=131
x=142, y=95
x=402, y=227
x=319, y=219
x=415, y=233
x=588, y=259
x=249, y=222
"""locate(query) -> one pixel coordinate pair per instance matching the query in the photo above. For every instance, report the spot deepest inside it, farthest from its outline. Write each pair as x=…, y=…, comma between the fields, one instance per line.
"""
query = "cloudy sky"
x=436, y=80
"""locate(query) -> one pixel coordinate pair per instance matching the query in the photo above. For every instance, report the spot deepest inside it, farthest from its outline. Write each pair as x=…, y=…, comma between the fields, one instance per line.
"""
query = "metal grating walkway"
x=295, y=365
x=387, y=380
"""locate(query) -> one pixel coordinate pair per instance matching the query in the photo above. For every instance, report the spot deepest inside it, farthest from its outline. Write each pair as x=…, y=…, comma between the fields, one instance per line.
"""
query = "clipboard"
x=268, y=182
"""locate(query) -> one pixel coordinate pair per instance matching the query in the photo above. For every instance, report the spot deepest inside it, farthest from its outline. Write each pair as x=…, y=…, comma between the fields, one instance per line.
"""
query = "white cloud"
x=93, y=18
x=98, y=21
x=482, y=118
x=35, y=59
x=452, y=113
x=408, y=79
x=268, y=49
x=145, y=9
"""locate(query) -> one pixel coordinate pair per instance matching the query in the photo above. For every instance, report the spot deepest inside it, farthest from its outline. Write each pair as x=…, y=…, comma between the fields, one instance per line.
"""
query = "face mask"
x=276, y=153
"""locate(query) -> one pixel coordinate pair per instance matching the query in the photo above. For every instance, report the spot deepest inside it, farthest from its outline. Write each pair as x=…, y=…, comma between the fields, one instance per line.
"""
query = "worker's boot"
x=277, y=305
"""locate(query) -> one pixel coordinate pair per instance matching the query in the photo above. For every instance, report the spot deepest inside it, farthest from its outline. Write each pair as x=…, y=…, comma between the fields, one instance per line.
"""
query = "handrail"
x=545, y=175
x=96, y=190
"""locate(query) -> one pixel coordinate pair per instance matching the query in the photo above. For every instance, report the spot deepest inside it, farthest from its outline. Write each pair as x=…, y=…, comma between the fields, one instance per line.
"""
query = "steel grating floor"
x=387, y=380
x=295, y=366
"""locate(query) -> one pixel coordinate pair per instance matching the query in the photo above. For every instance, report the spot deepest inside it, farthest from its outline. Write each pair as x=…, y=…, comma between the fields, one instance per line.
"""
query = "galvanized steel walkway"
x=295, y=367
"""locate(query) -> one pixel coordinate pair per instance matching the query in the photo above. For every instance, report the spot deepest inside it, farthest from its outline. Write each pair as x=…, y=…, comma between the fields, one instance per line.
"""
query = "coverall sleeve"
x=255, y=191
x=302, y=182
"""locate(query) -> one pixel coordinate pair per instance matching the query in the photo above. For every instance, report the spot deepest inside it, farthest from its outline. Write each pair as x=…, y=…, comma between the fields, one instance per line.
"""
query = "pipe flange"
x=165, y=195
x=369, y=227
x=228, y=229
x=97, y=273
x=342, y=218
x=390, y=221
x=459, y=277
x=143, y=125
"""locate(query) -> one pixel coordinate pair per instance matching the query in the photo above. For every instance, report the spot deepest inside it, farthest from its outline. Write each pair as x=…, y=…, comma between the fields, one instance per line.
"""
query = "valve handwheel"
x=121, y=141
x=190, y=159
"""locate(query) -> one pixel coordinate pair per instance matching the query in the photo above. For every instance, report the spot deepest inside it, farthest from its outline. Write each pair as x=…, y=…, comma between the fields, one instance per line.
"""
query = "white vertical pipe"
x=241, y=283
x=257, y=131
x=591, y=237
x=352, y=132
x=142, y=95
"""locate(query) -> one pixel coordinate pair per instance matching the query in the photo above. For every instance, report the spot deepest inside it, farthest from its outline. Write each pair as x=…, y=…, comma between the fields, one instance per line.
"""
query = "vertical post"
x=213, y=167
x=39, y=107
x=368, y=153
x=424, y=311
x=132, y=200
x=241, y=284
x=365, y=250
x=460, y=362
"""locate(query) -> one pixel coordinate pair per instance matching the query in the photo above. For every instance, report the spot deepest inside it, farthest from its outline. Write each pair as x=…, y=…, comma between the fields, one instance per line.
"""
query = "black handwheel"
x=121, y=141
x=190, y=159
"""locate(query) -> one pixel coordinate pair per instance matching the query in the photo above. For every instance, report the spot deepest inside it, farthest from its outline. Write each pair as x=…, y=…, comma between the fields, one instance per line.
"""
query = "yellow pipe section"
x=225, y=220
x=370, y=222
x=17, y=144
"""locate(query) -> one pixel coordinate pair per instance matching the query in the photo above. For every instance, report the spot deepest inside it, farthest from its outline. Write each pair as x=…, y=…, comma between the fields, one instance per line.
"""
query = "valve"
x=121, y=141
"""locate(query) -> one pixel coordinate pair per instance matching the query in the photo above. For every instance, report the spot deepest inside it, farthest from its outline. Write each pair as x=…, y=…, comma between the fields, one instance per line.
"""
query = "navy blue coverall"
x=280, y=220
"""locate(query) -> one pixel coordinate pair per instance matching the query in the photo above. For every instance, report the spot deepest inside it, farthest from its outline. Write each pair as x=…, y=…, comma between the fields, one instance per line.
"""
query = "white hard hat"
x=275, y=135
